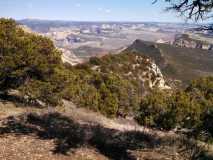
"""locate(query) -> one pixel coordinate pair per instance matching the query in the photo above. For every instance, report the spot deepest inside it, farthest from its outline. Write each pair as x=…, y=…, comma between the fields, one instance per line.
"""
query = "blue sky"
x=87, y=10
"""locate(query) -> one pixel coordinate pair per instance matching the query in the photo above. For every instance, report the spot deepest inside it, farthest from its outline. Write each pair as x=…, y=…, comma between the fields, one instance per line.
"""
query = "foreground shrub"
x=29, y=63
x=152, y=108
x=207, y=120
x=106, y=93
x=191, y=108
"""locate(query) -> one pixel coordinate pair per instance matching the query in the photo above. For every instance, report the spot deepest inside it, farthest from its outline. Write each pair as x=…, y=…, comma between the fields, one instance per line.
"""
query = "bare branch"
x=191, y=9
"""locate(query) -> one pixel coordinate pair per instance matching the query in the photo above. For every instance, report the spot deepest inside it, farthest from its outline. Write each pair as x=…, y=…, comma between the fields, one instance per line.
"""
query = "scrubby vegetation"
x=68, y=135
x=115, y=85
x=111, y=85
x=175, y=62
x=190, y=108
x=107, y=93
x=29, y=63
x=32, y=65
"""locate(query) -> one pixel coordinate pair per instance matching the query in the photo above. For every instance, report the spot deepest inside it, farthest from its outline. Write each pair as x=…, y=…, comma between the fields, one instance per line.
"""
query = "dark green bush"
x=186, y=109
x=95, y=61
x=103, y=92
x=29, y=63
x=207, y=120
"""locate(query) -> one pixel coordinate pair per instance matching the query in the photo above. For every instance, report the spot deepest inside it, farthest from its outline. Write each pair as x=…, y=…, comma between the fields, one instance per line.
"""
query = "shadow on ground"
x=18, y=100
x=68, y=135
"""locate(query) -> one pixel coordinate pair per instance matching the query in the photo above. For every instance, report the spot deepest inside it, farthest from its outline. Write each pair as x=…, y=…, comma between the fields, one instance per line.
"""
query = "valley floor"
x=79, y=134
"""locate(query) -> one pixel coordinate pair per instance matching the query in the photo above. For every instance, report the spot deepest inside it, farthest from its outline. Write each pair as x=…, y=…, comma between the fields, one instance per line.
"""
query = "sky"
x=88, y=10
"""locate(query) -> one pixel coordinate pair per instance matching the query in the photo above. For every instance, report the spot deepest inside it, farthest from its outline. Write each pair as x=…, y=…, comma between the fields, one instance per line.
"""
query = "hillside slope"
x=33, y=66
x=133, y=67
x=73, y=134
x=114, y=84
x=175, y=62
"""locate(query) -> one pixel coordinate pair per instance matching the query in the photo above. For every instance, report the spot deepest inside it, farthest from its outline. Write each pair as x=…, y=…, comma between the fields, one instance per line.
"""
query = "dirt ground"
x=70, y=133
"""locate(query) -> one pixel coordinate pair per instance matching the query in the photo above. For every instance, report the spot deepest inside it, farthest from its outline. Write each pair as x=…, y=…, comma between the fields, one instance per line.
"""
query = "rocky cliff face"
x=185, y=40
x=147, y=72
x=159, y=80
x=179, y=64
x=67, y=55
x=134, y=67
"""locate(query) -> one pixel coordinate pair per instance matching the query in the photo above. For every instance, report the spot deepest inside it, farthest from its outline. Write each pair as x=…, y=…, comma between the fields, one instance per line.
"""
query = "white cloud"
x=100, y=9
x=104, y=10
x=108, y=10
x=78, y=5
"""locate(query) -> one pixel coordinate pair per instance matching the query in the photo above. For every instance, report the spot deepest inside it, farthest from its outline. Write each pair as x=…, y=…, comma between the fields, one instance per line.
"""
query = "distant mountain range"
x=44, y=25
x=186, y=40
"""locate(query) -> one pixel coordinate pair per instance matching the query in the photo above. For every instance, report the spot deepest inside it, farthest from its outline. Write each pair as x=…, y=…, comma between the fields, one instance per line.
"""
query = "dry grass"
x=70, y=133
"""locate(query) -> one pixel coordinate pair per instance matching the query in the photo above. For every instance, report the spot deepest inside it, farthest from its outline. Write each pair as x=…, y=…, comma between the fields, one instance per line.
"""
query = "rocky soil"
x=73, y=133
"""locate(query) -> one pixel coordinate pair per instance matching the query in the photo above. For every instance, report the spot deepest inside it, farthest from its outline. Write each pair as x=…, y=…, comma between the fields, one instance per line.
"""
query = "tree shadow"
x=18, y=100
x=69, y=135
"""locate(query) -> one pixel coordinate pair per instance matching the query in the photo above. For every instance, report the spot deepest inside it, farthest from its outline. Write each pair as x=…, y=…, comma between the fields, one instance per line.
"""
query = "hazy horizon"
x=106, y=21
x=94, y=10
